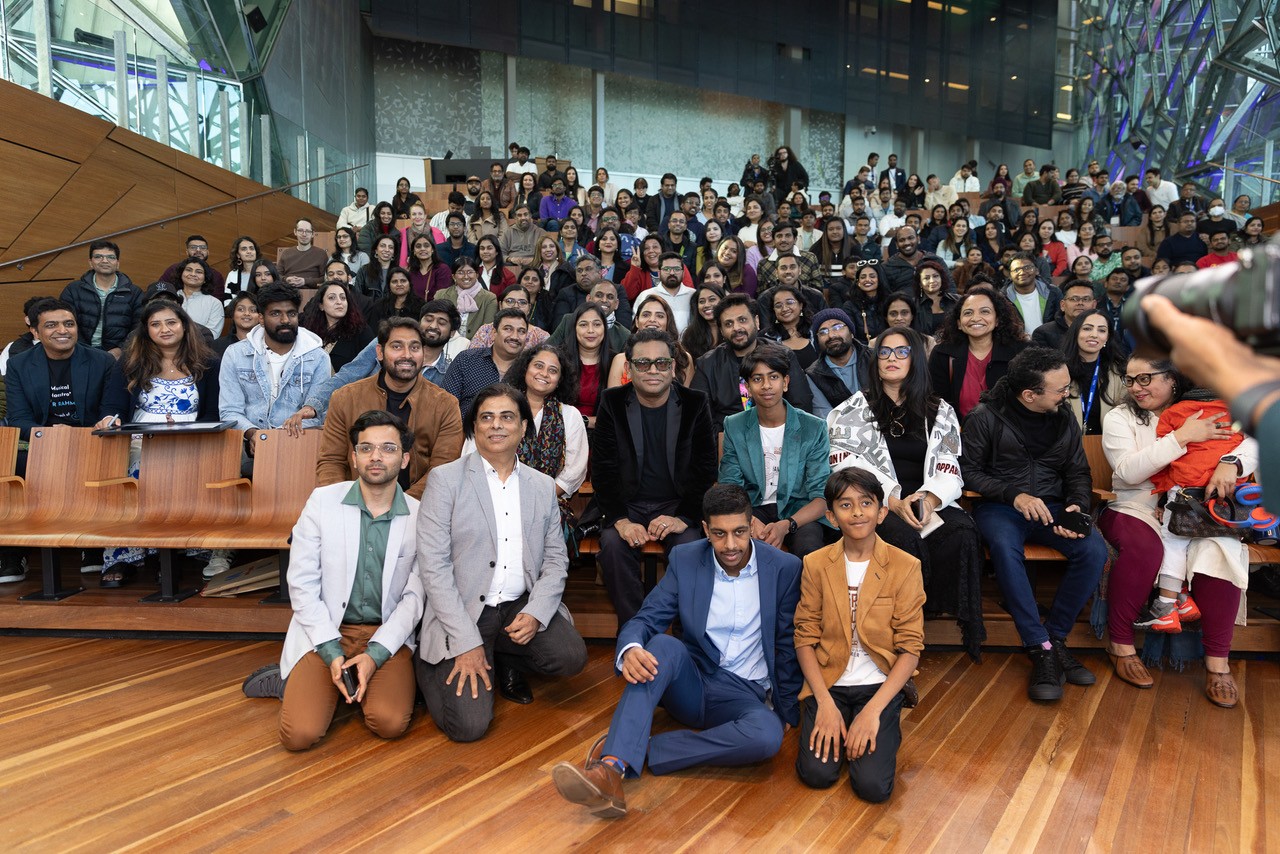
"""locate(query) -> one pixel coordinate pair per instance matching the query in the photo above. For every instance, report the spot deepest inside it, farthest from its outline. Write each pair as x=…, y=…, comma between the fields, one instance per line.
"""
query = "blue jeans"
x=1005, y=533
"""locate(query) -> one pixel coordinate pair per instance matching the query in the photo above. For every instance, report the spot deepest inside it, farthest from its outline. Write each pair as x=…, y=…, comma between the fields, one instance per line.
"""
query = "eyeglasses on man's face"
x=645, y=365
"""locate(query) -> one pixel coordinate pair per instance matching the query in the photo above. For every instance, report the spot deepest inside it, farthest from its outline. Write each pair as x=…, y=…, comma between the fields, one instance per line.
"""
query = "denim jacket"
x=245, y=381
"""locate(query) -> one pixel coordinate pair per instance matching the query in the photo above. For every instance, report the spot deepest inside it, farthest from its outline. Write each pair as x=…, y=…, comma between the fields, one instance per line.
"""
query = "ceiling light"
x=1014, y=77
x=1066, y=117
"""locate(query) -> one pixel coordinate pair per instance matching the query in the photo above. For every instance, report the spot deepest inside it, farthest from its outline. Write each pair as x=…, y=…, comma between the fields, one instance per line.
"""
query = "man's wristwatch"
x=1232, y=459
x=791, y=526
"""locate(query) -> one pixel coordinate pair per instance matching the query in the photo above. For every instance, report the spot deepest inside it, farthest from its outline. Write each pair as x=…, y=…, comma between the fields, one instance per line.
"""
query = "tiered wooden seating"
x=74, y=481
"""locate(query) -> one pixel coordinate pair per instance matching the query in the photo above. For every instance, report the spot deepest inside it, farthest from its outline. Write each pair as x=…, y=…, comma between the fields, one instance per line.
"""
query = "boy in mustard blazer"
x=859, y=635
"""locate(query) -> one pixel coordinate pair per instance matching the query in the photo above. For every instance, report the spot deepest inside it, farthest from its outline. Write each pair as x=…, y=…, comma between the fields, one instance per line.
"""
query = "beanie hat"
x=831, y=314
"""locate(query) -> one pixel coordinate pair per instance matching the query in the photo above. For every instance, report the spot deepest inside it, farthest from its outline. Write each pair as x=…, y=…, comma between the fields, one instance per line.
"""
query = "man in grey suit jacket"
x=492, y=559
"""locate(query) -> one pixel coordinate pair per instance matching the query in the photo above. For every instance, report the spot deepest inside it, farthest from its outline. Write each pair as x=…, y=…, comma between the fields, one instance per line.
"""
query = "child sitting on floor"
x=859, y=635
x=1212, y=464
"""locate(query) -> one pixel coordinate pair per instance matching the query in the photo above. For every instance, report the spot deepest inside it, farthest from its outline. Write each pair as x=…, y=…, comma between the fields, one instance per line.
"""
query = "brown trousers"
x=310, y=697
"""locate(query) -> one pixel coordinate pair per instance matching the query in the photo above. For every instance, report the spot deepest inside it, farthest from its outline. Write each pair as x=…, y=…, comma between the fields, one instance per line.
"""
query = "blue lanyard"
x=1093, y=390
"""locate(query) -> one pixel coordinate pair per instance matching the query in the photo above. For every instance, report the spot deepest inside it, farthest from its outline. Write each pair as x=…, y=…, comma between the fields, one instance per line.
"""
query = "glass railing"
x=137, y=75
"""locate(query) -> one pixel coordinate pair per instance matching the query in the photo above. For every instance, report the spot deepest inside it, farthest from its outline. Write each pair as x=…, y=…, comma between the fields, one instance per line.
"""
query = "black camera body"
x=1243, y=296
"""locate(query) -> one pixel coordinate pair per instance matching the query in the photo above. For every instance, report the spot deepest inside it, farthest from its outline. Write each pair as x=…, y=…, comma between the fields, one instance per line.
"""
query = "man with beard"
x=1131, y=261
x=520, y=240
x=652, y=458
x=842, y=370
x=476, y=370
x=784, y=243
x=1106, y=261
x=1077, y=298
x=787, y=271
x=354, y=610
x=267, y=377
x=671, y=287
x=399, y=389
x=900, y=270
x=1010, y=212
x=440, y=344
x=717, y=373
x=680, y=239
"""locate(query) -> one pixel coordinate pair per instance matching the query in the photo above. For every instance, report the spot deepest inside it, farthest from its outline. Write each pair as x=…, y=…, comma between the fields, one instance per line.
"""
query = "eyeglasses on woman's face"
x=1142, y=380
x=901, y=352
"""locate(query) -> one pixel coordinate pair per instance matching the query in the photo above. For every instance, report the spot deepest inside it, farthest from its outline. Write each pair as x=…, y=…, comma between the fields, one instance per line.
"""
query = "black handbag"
x=1188, y=516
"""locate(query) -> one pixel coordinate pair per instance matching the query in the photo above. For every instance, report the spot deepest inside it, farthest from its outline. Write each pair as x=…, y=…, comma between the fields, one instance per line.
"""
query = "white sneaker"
x=219, y=561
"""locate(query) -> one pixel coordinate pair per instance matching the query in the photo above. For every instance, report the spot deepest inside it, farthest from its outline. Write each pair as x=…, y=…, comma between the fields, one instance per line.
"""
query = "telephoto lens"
x=1243, y=296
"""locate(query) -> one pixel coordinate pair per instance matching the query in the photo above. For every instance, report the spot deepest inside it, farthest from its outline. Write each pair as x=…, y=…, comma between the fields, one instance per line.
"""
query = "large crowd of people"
x=789, y=395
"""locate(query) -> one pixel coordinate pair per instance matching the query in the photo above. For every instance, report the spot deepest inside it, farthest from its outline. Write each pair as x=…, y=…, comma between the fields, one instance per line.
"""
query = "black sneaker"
x=1074, y=672
x=264, y=683
x=1046, y=675
x=13, y=568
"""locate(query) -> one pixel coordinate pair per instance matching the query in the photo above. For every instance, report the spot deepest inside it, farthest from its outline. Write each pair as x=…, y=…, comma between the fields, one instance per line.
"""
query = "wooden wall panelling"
x=41, y=129
x=43, y=177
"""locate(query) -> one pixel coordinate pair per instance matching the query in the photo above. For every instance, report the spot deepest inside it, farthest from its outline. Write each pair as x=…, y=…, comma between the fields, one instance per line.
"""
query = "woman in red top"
x=587, y=353
x=976, y=342
x=427, y=272
x=1051, y=247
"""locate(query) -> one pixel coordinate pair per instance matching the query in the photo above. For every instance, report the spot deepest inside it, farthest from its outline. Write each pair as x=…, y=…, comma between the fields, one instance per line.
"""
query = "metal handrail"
x=19, y=262
x=1242, y=172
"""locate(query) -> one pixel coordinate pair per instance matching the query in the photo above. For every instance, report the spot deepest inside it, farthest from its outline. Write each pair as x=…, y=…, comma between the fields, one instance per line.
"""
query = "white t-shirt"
x=771, y=442
x=275, y=363
x=861, y=669
x=1029, y=305
x=679, y=303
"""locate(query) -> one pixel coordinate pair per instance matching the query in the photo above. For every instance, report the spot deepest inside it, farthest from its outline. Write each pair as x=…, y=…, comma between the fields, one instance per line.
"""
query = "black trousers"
x=871, y=774
x=620, y=563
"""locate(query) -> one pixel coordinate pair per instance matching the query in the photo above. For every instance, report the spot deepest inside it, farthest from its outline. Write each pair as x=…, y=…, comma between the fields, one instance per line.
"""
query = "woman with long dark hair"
x=701, y=335
x=835, y=247
x=398, y=301
x=932, y=296
x=653, y=312
x=608, y=248
x=381, y=221
x=495, y=276
x=372, y=278
x=1096, y=363
x=170, y=375
x=244, y=255
x=429, y=274
x=557, y=446
x=643, y=274
x=992, y=243
x=897, y=428
x=933, y=232
x=1053, y=249
x=865, y=304
x=403, y=200
x=587, y=354
x=244, y=315
x=334, y=314
x=488, y=220
x=526, y=194
x=708, y=243
x=977, y=340
x=732, y=255
x=955, y=245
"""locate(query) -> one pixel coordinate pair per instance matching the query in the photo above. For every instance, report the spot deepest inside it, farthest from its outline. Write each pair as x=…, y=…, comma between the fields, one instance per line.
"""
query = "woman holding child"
x=1140, y=450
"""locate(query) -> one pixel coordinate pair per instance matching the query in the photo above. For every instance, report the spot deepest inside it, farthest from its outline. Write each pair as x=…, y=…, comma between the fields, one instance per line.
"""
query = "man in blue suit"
x=733, y=676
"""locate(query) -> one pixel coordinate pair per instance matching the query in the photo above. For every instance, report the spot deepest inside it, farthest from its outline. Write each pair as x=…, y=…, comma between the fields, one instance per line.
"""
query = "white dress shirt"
x=576, y=448
x=679, y=302
x=508, y=576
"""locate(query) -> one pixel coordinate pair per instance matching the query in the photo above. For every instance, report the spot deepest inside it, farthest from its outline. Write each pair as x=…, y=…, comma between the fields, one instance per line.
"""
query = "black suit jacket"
x=617, y=451
x=897, y=178
x=27, y=389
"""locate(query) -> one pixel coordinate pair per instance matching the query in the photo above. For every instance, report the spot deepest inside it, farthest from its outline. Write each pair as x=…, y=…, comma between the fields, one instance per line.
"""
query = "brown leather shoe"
x=1131, y=669
x=1220, y=688
x=596, y=786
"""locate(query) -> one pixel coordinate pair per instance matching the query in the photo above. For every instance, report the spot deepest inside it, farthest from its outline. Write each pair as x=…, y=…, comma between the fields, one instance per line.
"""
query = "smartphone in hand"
x=350, y=681
x=1076, y=521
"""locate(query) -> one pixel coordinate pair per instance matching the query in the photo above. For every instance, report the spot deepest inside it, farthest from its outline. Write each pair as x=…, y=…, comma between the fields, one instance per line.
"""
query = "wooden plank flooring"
x=149, y=745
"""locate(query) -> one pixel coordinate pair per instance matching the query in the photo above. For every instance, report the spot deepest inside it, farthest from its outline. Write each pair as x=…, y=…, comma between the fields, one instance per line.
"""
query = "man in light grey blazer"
x=355, y=592
x=492, y=559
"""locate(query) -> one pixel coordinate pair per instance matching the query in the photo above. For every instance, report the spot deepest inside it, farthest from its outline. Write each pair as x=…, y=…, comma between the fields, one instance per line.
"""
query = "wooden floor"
x=149, y=745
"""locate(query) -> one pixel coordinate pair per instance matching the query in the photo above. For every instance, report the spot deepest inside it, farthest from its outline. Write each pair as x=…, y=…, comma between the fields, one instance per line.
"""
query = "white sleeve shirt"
x=508, y=576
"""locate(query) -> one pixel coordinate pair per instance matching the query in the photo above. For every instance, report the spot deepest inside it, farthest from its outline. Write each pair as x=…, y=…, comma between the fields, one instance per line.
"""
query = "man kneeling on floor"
x=492, y=558
x=733, y=676
x=354, y=615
